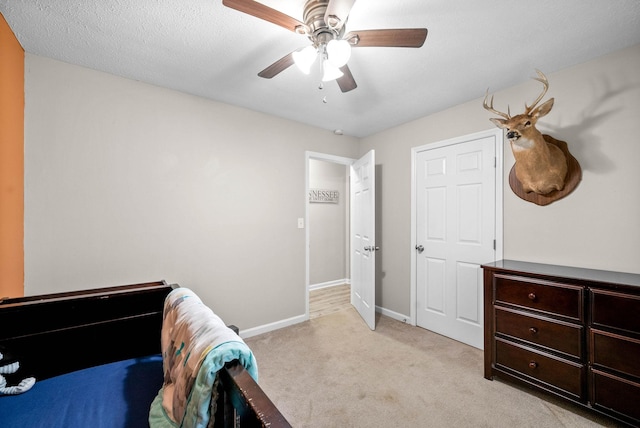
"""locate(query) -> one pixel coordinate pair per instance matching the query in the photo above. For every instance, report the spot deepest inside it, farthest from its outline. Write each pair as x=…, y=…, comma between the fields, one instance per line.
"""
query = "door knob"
x=371, y=248
x=420, y=248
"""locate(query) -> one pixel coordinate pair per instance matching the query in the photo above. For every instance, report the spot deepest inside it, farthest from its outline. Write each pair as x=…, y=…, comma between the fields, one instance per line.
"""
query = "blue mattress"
x=109, y=396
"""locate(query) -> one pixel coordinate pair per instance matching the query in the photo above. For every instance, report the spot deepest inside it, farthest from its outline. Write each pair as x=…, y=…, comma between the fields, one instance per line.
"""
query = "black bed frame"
x=58, y=333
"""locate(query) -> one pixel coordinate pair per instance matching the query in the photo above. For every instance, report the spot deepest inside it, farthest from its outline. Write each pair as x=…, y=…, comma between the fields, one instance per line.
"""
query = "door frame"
x=326, y=158
x=498, y=135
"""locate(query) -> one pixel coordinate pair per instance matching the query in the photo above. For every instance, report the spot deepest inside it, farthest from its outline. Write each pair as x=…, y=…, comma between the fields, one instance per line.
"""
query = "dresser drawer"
x=555, y=335
x=552, y=298
x=611, y=393
x=615, y=352
x=615, y=310
x=552, y=371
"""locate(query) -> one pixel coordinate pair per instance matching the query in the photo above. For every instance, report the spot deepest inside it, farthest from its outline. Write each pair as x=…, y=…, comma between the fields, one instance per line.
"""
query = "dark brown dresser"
x=572, y=332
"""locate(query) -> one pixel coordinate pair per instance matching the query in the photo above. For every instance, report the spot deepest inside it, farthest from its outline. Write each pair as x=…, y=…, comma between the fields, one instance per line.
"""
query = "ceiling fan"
x=324, y=24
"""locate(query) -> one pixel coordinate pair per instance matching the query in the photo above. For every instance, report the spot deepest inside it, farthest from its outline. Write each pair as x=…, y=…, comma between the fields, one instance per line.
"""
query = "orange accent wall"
x=11, y=163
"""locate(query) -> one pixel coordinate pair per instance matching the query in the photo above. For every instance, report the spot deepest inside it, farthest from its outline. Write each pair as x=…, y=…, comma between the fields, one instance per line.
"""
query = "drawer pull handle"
x=533, y=330
x=532, y=296
x=533, y=365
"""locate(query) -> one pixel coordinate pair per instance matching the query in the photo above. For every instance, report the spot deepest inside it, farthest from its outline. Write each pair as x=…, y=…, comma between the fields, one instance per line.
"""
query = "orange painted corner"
x=11, y=163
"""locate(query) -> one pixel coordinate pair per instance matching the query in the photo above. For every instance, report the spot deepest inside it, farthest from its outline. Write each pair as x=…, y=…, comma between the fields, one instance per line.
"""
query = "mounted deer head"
x=540, y=167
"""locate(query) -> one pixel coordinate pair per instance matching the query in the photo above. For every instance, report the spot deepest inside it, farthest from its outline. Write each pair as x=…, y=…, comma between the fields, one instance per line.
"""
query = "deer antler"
x=491, y=109
x=542, y=79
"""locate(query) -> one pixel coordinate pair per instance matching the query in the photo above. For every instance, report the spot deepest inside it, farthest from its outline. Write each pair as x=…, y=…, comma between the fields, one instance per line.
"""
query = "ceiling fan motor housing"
x=319, y=31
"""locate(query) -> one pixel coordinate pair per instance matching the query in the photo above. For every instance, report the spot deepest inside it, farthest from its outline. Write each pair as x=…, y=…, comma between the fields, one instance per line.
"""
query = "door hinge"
x=495, y=161
x=494, y=244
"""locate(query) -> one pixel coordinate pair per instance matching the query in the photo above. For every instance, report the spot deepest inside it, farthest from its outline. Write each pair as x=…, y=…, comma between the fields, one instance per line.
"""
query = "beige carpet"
x=333, y=371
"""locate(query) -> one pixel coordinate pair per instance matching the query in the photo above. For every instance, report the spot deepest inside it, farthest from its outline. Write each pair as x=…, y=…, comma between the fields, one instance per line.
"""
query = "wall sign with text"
x=324, y=196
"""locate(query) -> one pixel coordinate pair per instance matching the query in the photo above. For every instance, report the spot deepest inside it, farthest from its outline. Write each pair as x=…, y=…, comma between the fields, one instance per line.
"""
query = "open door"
x=363, y=244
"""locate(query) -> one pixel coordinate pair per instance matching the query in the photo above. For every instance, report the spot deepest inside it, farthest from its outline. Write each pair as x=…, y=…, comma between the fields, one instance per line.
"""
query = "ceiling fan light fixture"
x=339, y=52
x=330, y=71
x=304, y=58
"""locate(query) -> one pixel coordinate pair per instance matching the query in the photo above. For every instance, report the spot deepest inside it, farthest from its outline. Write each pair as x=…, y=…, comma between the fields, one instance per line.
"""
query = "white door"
x=363, y=244
x=455, y=234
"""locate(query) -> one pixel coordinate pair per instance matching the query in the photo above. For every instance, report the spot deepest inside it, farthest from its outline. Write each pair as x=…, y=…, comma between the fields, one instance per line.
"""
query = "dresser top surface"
x=574, y=273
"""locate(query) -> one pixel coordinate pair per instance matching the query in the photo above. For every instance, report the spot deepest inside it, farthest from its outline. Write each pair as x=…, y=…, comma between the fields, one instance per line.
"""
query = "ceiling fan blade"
x=346, y=82
x=277, y=67
x=339, y=9
x=261, y=11
x=398, y=38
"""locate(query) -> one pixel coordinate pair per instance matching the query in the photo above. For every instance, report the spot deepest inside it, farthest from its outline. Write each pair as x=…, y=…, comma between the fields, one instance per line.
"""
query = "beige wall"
x=127, y=182
x=597, y=108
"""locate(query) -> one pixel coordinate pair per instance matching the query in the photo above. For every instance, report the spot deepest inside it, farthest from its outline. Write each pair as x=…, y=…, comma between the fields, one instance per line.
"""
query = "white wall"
x=328, y=224
x=597, y=108
x=127, y=182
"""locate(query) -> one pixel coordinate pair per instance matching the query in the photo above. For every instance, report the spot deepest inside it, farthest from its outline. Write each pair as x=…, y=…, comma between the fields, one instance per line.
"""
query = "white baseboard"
x=301, y=318
x=329, y=284
x=272, y=326
x=395, y=315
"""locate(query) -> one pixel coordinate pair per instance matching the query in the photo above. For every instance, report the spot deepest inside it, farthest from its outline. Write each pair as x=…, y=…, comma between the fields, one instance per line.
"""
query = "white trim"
x=323, y=157
x=391, y=314
x=250, y=332
x=328, y=284
x=498, y=135
x=499, y=194
x=329, y=158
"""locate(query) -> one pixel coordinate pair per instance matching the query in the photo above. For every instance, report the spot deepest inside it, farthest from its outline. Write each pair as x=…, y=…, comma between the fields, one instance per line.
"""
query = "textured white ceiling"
x=203, y=48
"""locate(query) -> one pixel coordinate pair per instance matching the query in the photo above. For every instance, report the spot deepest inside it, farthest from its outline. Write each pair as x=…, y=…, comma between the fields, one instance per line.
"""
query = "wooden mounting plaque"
x=574, y=175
